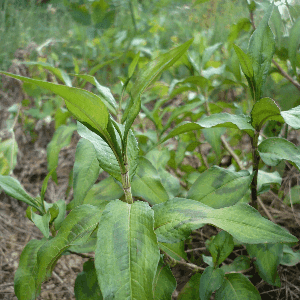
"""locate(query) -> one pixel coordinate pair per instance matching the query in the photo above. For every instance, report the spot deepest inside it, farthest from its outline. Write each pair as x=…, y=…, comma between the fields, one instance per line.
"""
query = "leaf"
x=85, y=172
x=24, y=281
x=13, y=188
x=292, y=117
x=236, y=287
x=241, y=263
x=191, y=289
x=42, y=223
x=208, y=52
x=176, y=218
x=273, y=150
x=127, y=241
x=293, y=195
x=261, y=49
x=216, y=120
x=61, y=214
x=9, y=148
x=200, y=2
x=220, y=247
x=146, y=183
x=218, y=187
x=264, y=110
x=245, y=61
x=45, y=183
x=175, y=250
x=86, y=284
x=213, y=137
x=211, y=280
x=289, y=257
x=265, y=179
x=74, y=230
x=61, y=138
x=93, y=112
x=268, y=257
x=164, y=282
x=293, y=46
x=133, y=64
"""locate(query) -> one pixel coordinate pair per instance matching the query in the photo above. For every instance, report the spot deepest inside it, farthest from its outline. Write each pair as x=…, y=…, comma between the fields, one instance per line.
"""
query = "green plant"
x=127, y=234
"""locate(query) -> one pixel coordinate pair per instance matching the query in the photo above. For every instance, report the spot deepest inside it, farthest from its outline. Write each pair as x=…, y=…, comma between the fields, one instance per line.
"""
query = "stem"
x=255, y=159
x=126, y=183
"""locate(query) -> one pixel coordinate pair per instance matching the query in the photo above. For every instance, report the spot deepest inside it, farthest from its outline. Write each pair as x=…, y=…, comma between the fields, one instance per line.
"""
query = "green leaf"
x=241, y=263
x=265, y=179
x=200, y=2
x=294, y=40
x=74, y=230
x=292, y=117
x=220, y=247
x=289, y=257
x=175, y=250
x=213, y=137
x=147, y=184
x=24, y=281
x=245, y=61
x=191, y=289
x=273, y=150
x=175, y=219
x=42, y=223
x=133, y=64
x=164, y=282
x=211, y=280
x=86, y=284
x=268, y=257
x=127, y=241
x=261, y=49
x=264, y=110
x=45, y=184
x=85, y=172
x=218, y=187
x=93, y=112
x=208, y=52
x=293, y=195
x=216, y=120
x=61, y=138
x=9, y=148
x=236, y=287
x=13, y=188
x=61, y=214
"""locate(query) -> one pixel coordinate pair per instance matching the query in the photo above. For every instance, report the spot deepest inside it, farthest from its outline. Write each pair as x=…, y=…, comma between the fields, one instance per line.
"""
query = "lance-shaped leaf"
x=85, y=172
x=146, y=76
x=146, y=183
x=261, y=49
x=164, y=282
x=264, y=110
x=191, y=289
x=74, y=230
x=85, y=106
x=127, y=254
x=13, y=188
x=45, y=184
x=236, y=287
x=273, y=150
x=86, y=284
x=292, y=117
x=24, y=281
x=216, y=120
x=175, y=219
x=210, y=281
x=294, y=41
x=218, y=187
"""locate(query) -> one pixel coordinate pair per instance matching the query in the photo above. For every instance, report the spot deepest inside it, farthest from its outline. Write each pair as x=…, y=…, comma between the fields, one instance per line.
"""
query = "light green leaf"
x=133, y=64
x=175, y=250
x=61, y=138
x=218, y=187
x=127, y=241
x=211, y=280
x=208, y=52
x=191, y=289
x=292, y=117
x=268, y=257
x=273, y=150
x=42, y=223
x=45, y=183
x=175, y=219
x=61, y=214
x=216, y=120
x=164, y=282
x=24, y=282
x=9, y=148
x=85, y=172
x=93, y=112
x=241, y=263
x=146, y=183
x=245, y=61
x=236, y=287
x=200, y=2
x=86, y=284
x=261, y=49
x=265, y=179
x=264, y=110
x=289, y=257
x=293, y=196
x=294, y=40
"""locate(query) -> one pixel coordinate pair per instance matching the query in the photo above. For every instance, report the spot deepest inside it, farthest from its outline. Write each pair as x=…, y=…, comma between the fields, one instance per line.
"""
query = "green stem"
x=126, y=183
x=255, y=159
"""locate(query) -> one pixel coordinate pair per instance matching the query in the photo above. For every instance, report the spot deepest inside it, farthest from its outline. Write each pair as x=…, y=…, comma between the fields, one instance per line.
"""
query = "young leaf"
x=127, y=241
x=61, y=214
x=24, y=282
x=210, y=281
x=86, y=284
x=85, y=172
x=133, y=64
x=175, y=219
x=191, y=289
x=273, y=150
x=245, y=62
x=218, y=187
x=45, y=183
x=164, y=282
x=292, y=117
x=289, y=257
x=147, y=184
x=42, y=223
x=294, y=40
x=236, y=287
x=261, y=49
x=175, y=250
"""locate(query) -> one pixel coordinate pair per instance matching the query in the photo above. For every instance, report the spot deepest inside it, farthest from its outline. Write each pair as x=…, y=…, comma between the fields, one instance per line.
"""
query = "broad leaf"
x=241, y=263
x=294, y=41
x=127, y=254
x=42, y=223
x=175, y=250
x=293, y=195
x=273, y=150
x=24, y=281
x=265, y=179
x=191, y=289
x=292, y=117
x=236, y=287
x=289, y=257
x=175, y=219
x=210, y=281
x=218, y=187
